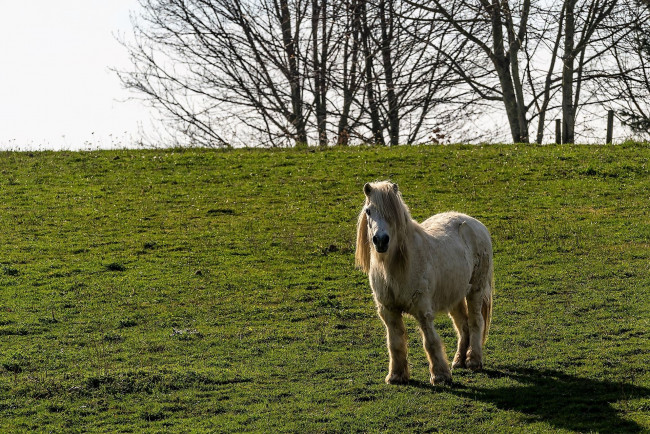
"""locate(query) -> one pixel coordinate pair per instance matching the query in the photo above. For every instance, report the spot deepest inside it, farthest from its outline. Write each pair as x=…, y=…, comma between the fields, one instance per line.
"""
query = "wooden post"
x=610, y=126
x=558, y=131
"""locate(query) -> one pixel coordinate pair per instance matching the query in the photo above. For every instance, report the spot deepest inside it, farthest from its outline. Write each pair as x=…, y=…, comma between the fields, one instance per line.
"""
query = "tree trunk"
x=568, y=110
x=377, y=133
x=320, y=64
x=510, y=101
x=502, y=64
x=297, y=117
x=547, y=83
x=386, y=23
x=520, y=103
x=351, y=54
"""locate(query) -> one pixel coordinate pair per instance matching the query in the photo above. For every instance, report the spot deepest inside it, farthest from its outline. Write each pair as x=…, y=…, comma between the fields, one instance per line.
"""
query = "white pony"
x=442, y=265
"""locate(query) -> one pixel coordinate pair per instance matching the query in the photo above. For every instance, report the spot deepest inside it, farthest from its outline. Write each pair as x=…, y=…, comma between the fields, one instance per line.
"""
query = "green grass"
x=196, y=290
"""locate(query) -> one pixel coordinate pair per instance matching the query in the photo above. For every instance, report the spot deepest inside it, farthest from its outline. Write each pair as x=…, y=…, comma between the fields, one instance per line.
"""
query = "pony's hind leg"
x=435, y=350
x=396, y=340
x=459, y=315
x=476, y=324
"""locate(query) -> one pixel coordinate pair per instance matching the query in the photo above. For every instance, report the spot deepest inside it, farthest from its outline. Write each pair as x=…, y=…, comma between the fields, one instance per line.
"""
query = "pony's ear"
x=367, y=189
x=395, y=188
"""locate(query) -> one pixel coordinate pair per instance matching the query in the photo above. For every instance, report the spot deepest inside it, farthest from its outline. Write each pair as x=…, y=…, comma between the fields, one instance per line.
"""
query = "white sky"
x=56, y=89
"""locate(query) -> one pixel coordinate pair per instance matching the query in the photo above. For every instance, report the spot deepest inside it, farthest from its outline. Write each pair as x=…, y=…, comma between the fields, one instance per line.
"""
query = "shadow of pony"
x=562, y=400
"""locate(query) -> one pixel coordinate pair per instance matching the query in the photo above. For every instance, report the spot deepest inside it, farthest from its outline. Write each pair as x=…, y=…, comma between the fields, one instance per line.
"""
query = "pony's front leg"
x=435, y=350
x=398, y=368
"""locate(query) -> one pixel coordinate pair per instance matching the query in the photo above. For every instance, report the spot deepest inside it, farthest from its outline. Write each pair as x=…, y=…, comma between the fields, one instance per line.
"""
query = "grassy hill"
x=197, y=290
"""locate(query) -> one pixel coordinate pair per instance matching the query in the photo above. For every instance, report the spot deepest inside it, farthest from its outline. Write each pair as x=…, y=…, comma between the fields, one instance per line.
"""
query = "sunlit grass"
x=215, y=291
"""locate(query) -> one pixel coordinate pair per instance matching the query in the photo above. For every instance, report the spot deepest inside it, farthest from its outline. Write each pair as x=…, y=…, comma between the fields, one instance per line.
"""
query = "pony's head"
x=382, y=224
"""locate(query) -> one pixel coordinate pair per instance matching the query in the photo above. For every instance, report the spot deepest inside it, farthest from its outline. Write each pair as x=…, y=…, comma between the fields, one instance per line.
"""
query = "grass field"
x=198, y=290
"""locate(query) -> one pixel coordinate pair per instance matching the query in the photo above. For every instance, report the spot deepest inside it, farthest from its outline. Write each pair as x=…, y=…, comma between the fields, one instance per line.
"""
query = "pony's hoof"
x=474, y=365
x=397, y=379
x=440, y=379
x=458, y=363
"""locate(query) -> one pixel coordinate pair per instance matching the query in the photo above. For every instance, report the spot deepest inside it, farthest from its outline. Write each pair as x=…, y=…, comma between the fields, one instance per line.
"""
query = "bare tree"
x=349, y=81
x=630, y=94
x=215, y=66
x=551, y=22
x=584, y=20
x=410, y=87
x=387, y=24
x=369, y=55
x=290, y=42
x=497, y=31
x=320, y=54
x=537, y=57
x=294, y=71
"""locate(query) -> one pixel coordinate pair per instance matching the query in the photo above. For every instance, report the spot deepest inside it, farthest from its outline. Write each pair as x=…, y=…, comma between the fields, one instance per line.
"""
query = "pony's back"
x=443, y=224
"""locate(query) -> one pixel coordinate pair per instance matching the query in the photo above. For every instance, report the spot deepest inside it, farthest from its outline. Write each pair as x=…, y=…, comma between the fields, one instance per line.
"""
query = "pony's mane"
x=386, y=197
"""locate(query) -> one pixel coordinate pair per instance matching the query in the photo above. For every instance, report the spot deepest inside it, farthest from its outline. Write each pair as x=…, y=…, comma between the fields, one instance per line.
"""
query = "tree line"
x=388, y=72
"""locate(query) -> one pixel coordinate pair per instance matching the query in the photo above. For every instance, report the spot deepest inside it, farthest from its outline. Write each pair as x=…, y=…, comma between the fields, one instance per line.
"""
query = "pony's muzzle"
x=380, y=242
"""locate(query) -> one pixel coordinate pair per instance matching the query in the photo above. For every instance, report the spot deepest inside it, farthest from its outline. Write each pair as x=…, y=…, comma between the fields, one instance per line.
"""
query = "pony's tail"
x=486, y=308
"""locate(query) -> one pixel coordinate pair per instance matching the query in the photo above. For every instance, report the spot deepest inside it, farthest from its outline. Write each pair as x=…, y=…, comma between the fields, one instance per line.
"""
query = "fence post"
x=610, y=126
x=558, y=132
